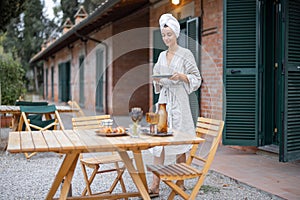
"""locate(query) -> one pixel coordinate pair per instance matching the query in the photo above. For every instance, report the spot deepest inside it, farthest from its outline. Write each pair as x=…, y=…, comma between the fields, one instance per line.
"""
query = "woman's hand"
x=179, y=77
x=156, y=79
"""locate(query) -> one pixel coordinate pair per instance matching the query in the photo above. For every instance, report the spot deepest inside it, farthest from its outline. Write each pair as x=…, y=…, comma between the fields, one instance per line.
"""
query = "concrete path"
x=261, y=170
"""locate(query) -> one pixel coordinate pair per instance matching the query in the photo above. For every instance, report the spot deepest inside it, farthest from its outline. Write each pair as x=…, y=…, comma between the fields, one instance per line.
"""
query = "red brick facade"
x=128, y=51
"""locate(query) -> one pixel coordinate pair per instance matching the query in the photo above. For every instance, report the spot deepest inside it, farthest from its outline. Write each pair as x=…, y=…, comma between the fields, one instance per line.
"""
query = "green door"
x=241, y=72
x=64, y=82
x=99, y=79
x=81, y=81
x=290, y=88
x=46, y=84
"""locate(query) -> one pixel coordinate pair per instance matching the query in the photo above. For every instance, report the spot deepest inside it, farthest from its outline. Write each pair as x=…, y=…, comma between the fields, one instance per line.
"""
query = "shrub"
x=11, y=80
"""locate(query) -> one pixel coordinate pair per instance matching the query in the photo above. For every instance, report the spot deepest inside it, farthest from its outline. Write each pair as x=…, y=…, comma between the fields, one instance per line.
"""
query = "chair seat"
x=180, y=171
x=174, y=175
x=98, y=162
x=101, y=159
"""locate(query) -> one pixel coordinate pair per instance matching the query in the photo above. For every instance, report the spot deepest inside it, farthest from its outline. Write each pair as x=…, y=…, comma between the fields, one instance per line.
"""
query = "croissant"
x=106, y=130
x=119, y=129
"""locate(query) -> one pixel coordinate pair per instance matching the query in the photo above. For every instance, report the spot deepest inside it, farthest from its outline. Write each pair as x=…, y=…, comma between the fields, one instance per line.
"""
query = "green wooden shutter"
x=193, y=39
x=81, y=81
x=158, y=46
x=52, y=83
x=60, y=80
x=46, y=84
x=64, y=82
x=193, y=44
x=241, y=72
x=99, y=79
x=290, y=143
x=67, y=83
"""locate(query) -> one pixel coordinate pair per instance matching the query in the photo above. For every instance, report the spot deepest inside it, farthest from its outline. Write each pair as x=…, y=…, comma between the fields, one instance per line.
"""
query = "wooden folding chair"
x=74, y=104
x=211, y=131
x=16, y=117
x=39, y=118
x=95, y=162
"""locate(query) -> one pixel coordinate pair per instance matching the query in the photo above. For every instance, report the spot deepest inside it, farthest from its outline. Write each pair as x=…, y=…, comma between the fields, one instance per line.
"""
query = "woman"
x=174, y=91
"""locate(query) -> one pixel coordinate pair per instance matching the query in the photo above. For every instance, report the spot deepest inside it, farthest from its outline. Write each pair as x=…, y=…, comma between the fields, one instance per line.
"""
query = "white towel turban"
x=170, y=21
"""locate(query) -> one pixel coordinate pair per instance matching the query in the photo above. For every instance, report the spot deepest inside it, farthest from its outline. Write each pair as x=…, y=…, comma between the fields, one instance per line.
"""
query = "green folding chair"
x=45, y=118
x=16, y=117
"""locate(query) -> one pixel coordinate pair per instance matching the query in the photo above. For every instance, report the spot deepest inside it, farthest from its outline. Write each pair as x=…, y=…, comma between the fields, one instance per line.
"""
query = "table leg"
x=137, y=177
x=66, y=172
x=15, y=122
x=140, y=167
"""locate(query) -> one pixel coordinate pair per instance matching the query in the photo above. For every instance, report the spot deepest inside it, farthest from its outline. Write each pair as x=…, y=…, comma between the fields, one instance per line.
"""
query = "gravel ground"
x=31, y=179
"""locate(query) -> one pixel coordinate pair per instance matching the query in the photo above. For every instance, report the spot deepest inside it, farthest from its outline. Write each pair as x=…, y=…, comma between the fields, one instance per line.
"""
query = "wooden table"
x=15, y=111
x=74, y=142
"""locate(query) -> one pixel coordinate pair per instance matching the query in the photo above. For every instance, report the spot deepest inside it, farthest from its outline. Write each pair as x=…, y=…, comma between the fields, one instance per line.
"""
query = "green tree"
x=69, y=9
x=91, y=5
x=11, y=78
x=9, y=10
x=25, y=36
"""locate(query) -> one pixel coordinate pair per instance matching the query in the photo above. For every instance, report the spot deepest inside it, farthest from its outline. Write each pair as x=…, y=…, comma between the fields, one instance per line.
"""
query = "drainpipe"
x=85, y=38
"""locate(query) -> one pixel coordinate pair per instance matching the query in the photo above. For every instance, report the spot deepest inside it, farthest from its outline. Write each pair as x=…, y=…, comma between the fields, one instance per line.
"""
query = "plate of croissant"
x=112, y=132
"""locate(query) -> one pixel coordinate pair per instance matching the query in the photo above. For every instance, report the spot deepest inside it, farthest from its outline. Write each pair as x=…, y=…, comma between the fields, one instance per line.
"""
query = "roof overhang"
x=109, y=11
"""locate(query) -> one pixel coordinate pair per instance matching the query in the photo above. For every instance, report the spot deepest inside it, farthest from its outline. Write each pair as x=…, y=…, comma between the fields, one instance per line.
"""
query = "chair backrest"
x=38, y=109
x=32, y=118
x=211, y=130
x=88, y=122
x=74, y=104
x=31, y=103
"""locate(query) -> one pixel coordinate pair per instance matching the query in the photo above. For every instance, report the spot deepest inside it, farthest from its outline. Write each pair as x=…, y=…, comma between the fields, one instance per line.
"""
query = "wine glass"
x=136, y=115
x=152, y=118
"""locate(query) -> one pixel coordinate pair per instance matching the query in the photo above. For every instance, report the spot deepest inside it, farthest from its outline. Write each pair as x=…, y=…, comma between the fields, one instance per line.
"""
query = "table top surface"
x=16, y=109
x=87, y=140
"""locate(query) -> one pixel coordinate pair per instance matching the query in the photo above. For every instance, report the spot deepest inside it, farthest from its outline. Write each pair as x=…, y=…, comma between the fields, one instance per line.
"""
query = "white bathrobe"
x=175, y=94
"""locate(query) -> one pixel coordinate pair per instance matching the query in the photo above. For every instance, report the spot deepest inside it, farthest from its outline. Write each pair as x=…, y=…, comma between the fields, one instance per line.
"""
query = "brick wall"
x=128, y=60
x=130, y=67
x=212, y=59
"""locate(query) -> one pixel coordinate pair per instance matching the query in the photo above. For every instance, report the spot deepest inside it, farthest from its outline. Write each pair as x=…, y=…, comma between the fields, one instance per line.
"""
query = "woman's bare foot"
x=153, y=192
x=154, y=189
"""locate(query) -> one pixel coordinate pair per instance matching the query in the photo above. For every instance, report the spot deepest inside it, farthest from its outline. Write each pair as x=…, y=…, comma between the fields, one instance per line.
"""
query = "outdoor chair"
x=74, y=104
x=16, y=117
x=173, y=174
x=31, y=103
x=98, y=161
x=39, y=118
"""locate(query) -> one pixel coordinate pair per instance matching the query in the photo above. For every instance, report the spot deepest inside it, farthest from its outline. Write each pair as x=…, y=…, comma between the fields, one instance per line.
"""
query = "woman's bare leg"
x=157, y=161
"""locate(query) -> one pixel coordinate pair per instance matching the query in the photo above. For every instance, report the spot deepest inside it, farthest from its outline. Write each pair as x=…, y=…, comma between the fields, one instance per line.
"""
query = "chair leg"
x=122, y=182
x=176, y=190
x=88, y=181
x=119, y=178
x=28, y=156
x=197, y=187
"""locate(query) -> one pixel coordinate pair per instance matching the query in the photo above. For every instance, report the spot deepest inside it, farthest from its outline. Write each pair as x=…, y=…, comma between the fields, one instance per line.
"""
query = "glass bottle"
x=162, y=126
